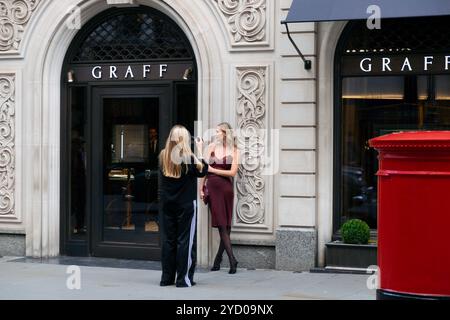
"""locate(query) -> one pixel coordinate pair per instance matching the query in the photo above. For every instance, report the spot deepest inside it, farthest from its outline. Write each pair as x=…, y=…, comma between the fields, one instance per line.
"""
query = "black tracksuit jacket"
x=178, y=210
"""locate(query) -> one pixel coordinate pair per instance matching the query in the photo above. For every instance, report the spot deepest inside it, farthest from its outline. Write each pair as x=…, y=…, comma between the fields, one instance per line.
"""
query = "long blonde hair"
x=177, y=152
x=227, y=130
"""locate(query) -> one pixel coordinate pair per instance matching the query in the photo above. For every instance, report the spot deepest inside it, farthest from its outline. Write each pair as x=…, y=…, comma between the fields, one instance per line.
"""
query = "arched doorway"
x=128, y=76
x=388, y=80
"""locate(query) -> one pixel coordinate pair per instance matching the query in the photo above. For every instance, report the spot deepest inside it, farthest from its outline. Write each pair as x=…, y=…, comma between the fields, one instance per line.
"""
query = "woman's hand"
x=199, y=145
x=211, y=170
x=202, y=194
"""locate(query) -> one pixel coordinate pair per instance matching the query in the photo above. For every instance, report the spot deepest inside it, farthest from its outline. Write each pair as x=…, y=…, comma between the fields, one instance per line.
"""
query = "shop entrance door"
x=129, y=125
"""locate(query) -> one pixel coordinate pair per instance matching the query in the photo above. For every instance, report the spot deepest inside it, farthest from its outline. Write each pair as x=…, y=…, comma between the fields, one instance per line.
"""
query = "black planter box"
x=339, y=254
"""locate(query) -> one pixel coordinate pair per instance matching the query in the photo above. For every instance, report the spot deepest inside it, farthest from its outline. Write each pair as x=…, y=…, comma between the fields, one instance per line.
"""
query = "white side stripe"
x=191, y=243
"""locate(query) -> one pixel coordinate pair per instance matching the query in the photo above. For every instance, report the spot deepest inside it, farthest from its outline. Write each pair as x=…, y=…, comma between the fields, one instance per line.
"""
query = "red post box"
x=414, y=215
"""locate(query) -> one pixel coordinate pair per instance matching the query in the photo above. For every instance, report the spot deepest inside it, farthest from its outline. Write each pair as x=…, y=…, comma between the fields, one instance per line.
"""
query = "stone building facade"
x=248, y=74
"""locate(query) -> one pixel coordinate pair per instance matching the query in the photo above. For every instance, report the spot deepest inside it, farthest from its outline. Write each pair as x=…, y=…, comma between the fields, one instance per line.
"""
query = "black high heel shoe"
x=233, y=266
x=216, y=265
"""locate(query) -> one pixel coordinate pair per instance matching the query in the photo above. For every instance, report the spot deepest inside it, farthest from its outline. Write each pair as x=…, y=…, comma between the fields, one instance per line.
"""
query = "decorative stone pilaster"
x=7, y=146
x=247, y=22
x=14, y=17
x=252, y=128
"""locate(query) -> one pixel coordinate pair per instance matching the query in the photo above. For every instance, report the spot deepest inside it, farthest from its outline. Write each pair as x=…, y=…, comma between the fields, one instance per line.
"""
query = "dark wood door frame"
x=164, y=94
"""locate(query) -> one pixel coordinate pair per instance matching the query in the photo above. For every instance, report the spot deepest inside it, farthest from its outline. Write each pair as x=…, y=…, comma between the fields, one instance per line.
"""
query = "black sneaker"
x=165, y=283
x=184, y=285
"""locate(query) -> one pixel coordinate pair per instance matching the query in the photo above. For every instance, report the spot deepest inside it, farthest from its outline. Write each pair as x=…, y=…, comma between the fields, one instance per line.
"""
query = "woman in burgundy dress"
x=223, y=160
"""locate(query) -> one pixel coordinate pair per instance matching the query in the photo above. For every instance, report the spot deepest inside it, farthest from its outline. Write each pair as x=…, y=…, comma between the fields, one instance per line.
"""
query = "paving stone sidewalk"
x=29, y=279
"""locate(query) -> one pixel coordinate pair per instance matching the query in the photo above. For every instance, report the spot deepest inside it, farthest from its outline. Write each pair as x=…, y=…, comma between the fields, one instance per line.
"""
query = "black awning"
x=333, y=10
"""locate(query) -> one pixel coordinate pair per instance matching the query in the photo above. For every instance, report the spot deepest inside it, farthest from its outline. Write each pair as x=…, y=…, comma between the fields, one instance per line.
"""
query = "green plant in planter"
x=355, y=231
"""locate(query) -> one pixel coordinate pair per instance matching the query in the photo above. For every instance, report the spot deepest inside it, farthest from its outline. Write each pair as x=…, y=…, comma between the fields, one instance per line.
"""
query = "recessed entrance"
x=131, y=125
x=128, y=77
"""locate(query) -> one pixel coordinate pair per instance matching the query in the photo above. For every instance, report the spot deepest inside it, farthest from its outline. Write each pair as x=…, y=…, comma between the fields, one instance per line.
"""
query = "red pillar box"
x=414, y=214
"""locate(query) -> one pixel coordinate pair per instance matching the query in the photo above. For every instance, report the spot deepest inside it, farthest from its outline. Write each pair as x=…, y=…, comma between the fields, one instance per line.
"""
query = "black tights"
x=225, y=244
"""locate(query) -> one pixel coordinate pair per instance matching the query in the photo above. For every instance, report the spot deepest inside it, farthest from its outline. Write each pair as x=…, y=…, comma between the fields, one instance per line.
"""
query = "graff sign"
x=395, y=64
x=130, y=72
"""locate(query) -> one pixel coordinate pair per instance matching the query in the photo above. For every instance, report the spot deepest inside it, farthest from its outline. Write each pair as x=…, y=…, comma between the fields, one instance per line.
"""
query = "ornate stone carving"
x=7, y=147
x=14, y=16
x=251, y=111
x=246, y=18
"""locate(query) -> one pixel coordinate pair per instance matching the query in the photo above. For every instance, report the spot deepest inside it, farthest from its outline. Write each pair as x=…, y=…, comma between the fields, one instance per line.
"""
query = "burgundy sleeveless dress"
x=221, y=194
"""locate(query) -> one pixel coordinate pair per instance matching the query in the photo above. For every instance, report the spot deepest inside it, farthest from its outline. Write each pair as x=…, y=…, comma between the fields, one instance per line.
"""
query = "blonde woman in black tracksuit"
x=179, y=171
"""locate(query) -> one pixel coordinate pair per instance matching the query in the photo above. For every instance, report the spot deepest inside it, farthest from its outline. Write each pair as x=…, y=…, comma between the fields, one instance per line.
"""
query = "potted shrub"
x=355, y=231
x=354, y=251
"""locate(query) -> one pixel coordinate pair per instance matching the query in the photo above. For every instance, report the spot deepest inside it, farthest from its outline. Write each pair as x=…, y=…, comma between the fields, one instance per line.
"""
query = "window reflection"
x=442, y=87
x=373, y=106
x=381, y=88
x=130, y=135
x=77, y=223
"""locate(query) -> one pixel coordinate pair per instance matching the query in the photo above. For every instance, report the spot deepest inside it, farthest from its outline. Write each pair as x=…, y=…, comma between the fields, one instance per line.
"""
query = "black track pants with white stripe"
x=179, y=242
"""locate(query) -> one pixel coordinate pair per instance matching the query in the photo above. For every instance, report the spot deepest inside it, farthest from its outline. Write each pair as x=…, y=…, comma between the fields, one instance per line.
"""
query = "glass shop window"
x=377, y=105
